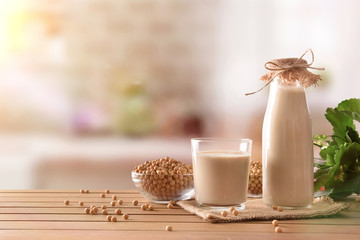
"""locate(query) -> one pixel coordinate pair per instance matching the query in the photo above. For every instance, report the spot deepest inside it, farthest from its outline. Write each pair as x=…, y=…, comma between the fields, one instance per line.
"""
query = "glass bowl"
x=162, y=189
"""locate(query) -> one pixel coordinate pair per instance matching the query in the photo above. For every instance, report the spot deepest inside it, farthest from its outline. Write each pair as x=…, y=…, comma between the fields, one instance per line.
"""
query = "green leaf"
x=320, y=140
x=339, y=121
x=321, y=171
x=328, y=154
x=344, y=189
x=352, y=135
x=337, y=161
x=339, y=194
x=353, y=115
x=345, y=156
x=321, y=181
x=341, y=173
x=351, y=107
x=338, y=178
x=350, y=154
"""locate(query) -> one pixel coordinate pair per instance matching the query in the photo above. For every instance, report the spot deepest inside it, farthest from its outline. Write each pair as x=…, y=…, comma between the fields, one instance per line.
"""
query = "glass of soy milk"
x=221, y=172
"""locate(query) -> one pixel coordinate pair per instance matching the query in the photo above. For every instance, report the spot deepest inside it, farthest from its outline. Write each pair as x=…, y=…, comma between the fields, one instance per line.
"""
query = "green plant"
x=340, y=174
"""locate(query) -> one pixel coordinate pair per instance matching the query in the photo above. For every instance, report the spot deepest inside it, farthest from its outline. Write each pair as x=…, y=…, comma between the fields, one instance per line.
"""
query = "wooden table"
x=42, y=214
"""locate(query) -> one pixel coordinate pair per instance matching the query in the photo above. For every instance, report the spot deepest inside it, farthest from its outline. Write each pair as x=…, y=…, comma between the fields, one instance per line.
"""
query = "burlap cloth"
x=291, y=71
x=258, y=210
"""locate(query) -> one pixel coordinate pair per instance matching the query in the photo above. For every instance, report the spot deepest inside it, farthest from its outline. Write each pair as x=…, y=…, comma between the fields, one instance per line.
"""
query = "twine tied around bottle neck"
x=290, y=70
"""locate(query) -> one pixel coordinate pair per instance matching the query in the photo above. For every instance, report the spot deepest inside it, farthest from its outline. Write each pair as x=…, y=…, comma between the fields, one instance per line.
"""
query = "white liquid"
x=221, y=177
x=287, y=149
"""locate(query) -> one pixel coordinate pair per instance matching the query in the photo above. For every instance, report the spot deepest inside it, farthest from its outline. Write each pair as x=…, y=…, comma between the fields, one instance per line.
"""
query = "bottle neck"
x=278, y=83
x=282, y=94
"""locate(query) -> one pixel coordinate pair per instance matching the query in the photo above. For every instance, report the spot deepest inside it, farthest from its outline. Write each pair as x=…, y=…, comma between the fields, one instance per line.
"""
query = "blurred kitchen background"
x=91, y=88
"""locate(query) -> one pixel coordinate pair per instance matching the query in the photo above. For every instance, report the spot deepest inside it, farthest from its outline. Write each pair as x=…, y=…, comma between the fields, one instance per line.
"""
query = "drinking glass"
x=221, y=172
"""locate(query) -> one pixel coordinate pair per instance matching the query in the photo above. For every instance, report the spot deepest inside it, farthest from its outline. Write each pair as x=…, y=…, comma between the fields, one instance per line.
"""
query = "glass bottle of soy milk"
x=287, y=148
x=288, y=174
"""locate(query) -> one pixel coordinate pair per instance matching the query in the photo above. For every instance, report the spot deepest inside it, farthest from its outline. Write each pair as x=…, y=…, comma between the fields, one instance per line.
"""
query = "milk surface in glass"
x=221, y=177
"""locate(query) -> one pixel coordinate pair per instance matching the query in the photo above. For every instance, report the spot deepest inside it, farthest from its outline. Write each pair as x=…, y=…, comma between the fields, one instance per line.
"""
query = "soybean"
x=255, y=178
x=165, y=178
